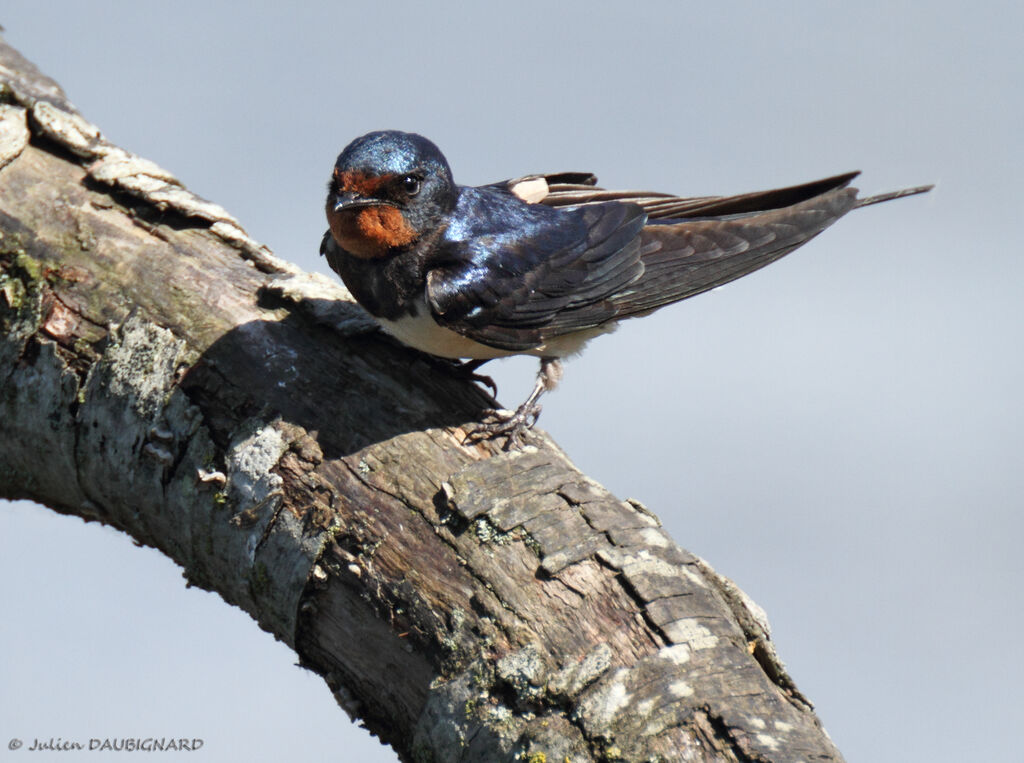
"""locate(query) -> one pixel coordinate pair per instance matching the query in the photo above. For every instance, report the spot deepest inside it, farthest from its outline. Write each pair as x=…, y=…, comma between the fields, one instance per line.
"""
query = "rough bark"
x=164, y=374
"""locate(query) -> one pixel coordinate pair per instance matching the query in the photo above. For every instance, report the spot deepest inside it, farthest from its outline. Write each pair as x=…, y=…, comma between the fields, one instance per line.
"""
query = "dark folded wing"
x=539, y=277
x=588, y=266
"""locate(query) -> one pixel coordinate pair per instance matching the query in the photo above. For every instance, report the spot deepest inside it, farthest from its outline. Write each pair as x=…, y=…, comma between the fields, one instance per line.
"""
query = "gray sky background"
x=840, y=433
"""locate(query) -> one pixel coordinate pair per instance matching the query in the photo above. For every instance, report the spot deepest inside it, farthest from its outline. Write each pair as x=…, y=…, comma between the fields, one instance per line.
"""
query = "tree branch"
x=163, y=373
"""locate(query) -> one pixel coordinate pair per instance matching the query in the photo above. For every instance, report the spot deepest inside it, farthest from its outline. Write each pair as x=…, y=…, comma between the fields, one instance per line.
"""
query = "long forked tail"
x=878, y=199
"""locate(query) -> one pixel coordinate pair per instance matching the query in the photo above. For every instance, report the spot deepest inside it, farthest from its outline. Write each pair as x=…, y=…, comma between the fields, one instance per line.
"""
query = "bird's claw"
x=467, y=370
x=487, y=381
x=514, y=425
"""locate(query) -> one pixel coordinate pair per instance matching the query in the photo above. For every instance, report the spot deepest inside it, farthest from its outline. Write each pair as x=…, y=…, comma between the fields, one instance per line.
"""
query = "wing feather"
x=684, y=259
x=575, y=188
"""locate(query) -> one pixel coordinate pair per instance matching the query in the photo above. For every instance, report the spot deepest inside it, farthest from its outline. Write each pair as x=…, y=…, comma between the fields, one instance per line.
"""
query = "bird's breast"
x=419, y=329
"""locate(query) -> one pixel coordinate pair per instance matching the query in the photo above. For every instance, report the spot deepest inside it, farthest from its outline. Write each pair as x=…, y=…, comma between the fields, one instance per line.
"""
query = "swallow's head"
x=388, y=190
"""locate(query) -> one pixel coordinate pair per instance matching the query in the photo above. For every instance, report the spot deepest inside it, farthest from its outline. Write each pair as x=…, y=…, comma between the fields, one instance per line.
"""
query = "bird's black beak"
x=346, y=200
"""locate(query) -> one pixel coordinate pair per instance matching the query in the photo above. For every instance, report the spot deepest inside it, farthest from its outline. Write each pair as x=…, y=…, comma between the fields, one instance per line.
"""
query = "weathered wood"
x=163, y=373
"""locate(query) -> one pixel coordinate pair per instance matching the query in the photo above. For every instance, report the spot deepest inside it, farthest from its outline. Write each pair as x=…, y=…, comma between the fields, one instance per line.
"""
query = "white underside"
x=426, y=334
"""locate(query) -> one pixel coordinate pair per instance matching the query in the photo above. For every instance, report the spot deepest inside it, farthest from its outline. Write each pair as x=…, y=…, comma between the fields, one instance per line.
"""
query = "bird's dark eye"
x=411, y=184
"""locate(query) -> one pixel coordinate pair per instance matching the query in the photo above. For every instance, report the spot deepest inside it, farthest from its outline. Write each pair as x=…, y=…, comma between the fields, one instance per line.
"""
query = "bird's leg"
x=515, y=424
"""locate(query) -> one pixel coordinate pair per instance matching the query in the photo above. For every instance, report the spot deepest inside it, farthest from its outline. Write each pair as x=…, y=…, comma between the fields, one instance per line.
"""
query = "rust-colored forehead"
x=360, y=182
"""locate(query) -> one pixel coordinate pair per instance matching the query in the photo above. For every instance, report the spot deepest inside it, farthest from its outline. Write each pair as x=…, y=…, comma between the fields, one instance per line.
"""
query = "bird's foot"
x=513, y=425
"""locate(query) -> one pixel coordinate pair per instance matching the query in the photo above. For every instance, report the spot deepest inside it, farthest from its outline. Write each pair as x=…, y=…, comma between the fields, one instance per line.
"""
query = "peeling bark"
x=163, y=373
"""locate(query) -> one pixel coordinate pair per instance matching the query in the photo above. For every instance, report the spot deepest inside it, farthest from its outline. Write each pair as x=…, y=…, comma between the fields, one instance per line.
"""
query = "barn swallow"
x=541, y=264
